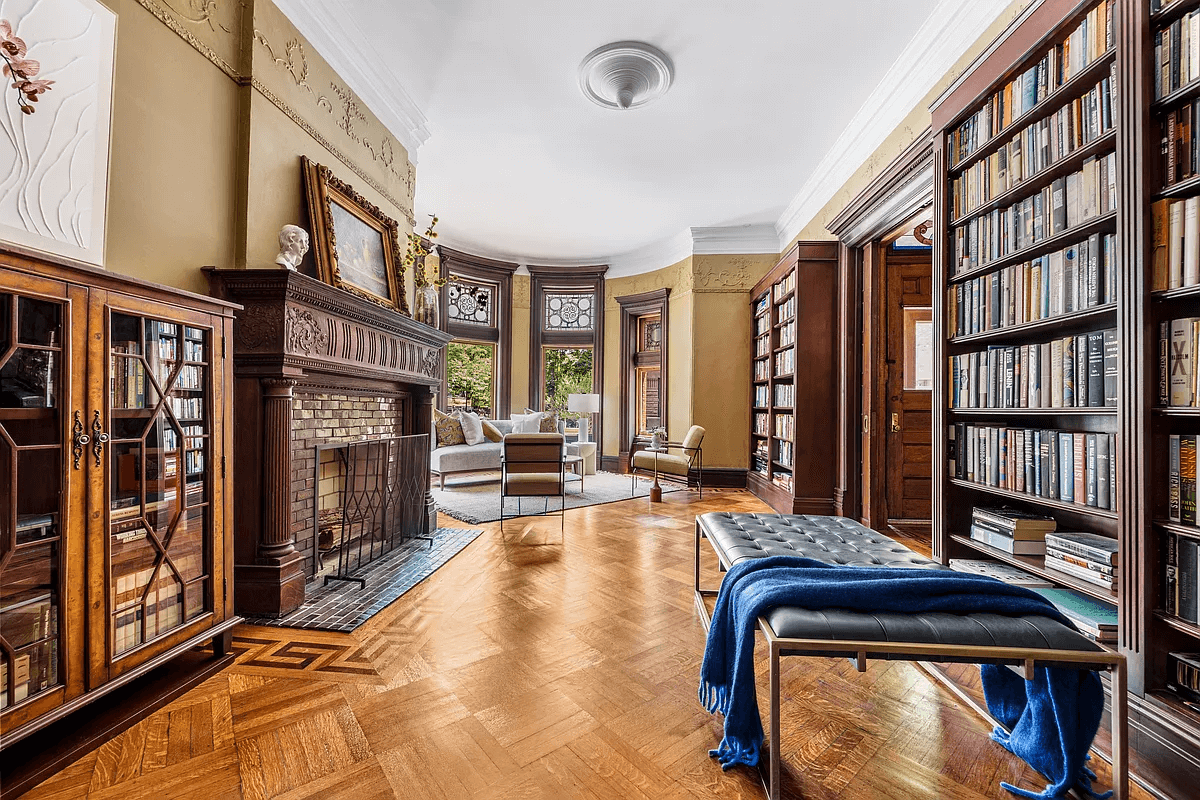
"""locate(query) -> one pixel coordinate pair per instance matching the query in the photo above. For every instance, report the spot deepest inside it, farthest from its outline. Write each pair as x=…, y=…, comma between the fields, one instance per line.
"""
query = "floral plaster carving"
x=200, y=12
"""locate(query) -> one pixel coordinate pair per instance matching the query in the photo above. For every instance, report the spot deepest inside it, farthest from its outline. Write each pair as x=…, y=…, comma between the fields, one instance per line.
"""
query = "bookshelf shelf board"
x=761, y=335
x=781, y=465
x=785, y=296
x=1062, y=321
x=1048, y=245
x=782, y=408
x=1178, y=528
x=39, y=542
x=1187, y=92
x=1175, y=294
x=27, y=413
x=762, y=408
x=1046, y=502
x=1064, y=166
x=1190, y=628
x=1037, y=566
x=1084, y=81
x=784, y=322
x=781, y=439
x=1033, y=412
x=760, y=436
x=785, y=347
x=1177, y=411
x=1181, y=712
x=787, y=376
x=1185, y=188
x=131, y=413
x=1171, y=13
x=762, y=381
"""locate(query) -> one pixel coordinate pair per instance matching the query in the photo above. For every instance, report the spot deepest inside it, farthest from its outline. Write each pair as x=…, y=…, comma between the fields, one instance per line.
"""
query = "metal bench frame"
x=1026, y=659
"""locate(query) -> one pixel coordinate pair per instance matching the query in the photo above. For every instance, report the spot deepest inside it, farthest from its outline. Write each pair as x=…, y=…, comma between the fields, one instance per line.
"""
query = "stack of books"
x=1181, y=584
x=1087, y=556
x=1187, y=678
x=1017, y=532
x=1094, y=619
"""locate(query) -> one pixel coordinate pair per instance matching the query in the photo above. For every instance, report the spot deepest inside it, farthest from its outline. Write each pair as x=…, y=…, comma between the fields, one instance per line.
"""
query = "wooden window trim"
x=542, y=279
x=633, y=307
x=491, y=271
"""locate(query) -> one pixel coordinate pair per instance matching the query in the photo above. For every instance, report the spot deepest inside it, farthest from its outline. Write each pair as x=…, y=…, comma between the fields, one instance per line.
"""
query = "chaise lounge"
x=1025, y=642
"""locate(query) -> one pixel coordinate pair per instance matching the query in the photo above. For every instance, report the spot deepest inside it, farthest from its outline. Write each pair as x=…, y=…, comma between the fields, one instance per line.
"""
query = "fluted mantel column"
x=276, y=541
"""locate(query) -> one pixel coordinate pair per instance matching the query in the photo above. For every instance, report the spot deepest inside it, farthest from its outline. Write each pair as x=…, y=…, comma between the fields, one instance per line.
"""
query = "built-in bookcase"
x=792, y=319
x=1059, y=255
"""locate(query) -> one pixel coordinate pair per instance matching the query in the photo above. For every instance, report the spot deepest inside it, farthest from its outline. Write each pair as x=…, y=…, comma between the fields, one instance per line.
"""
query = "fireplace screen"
x=370, y=499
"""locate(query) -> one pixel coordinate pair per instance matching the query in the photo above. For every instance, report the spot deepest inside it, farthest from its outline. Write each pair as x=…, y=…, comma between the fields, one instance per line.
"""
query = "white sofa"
x=456, y=458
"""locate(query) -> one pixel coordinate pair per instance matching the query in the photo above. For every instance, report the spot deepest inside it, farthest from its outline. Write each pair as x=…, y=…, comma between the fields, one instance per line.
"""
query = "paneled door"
x=908, y=417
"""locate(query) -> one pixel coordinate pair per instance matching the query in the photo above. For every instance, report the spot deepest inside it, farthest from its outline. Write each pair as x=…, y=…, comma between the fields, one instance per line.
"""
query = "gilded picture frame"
x=356, y=246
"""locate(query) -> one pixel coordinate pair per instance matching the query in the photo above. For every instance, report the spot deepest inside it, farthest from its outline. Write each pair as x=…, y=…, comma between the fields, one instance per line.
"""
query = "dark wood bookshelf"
x=1069, y=163
x=1166, y=754
x=1082, y=320
x=813, y=266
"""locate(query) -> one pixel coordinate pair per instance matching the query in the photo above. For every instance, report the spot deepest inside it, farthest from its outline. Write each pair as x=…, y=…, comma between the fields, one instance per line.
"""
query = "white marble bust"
x=293, y=244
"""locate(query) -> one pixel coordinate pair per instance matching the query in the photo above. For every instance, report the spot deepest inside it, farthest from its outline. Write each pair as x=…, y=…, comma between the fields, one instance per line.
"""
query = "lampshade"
x=586, y=403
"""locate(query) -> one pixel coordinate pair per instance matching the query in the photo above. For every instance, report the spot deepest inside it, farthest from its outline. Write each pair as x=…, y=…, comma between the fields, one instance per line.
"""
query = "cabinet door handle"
x=79, y=439
x=99, y=438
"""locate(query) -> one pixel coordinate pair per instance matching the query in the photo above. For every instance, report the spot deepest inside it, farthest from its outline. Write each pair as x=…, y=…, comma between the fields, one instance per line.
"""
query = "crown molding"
x=362, y=67
x=938, y=44
x=735, y=239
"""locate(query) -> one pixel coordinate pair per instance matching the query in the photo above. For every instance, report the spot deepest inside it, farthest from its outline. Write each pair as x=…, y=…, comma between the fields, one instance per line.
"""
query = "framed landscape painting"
x=356, y=246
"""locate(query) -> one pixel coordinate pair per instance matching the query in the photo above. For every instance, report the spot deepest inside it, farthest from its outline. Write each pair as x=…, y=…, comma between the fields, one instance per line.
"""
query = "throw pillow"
x=448, y=429
x=549, y=420
x=472, y=427
x=491, y=432
x=527, y=423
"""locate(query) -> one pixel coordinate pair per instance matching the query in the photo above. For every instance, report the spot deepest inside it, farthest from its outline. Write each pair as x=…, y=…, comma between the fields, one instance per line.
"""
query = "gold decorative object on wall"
x=357, y=246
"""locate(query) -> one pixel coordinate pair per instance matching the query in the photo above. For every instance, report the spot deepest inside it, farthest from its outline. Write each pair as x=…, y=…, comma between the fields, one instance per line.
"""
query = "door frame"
x=901, y=191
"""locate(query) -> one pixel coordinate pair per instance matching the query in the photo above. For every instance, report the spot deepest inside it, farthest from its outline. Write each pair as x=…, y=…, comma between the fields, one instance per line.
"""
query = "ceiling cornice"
x=734, y=239
x=938, y=44
x=362, y=68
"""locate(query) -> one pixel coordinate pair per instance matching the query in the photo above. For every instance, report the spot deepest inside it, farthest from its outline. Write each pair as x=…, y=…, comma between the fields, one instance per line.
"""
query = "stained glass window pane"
x=650, y=340
x=470, y=302
x=570, y=311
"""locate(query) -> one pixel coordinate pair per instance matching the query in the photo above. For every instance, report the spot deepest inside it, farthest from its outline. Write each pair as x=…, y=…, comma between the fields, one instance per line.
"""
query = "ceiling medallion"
x=625, y=75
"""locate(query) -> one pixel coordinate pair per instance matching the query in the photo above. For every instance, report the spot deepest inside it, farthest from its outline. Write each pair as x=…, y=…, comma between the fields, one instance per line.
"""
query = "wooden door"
x=909, y=385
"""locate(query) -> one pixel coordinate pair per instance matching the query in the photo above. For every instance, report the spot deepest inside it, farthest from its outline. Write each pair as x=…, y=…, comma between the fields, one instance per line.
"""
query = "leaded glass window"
x=570, y=311
x=471, y=303
x=650, y=340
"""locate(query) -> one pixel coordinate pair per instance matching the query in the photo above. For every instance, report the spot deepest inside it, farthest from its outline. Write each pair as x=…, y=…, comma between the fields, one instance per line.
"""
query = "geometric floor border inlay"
x=342, y=606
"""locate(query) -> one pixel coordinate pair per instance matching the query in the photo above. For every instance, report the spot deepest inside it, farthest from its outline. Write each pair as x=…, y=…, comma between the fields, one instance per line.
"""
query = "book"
x=1001, y=572
x=1187, y=480
x=1181, y=362
x=1186, y=576
x=1013, y=519
x=1092, y=546
x=1082, y=573
x=1008, y=544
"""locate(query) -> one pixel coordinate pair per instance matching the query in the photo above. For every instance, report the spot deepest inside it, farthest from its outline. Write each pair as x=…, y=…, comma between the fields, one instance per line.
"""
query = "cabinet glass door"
x=159, y=486
x=31, y=494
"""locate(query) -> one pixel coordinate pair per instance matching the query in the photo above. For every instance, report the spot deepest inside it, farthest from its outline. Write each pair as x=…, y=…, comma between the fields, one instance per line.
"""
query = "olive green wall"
x=173, y=166
x=212, y=110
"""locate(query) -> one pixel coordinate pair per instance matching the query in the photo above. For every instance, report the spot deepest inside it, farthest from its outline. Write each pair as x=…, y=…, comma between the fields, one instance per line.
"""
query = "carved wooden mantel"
x=296, y=333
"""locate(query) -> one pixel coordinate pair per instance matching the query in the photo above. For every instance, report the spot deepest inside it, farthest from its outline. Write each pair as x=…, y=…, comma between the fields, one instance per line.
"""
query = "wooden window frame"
x=479, y=342
x=499, y=274
x=543, y=279
x=633, y=308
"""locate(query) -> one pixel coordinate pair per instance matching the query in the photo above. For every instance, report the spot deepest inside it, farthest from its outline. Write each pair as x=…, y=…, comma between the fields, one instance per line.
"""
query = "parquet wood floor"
x=527, y=668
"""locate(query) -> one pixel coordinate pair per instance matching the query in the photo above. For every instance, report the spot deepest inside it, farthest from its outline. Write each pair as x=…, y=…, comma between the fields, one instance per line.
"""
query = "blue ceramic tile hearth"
x=342, y=606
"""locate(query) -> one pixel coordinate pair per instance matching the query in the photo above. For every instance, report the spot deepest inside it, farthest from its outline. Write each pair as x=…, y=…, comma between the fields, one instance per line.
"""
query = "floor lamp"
x=587, y=404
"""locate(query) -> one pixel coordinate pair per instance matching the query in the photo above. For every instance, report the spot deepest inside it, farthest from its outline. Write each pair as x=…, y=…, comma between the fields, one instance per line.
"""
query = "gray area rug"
x=475, y=497
x=341, y=606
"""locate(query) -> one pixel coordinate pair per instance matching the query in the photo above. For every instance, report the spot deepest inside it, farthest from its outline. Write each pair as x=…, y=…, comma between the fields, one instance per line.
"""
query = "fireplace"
x=369, y=500
x=315, y=367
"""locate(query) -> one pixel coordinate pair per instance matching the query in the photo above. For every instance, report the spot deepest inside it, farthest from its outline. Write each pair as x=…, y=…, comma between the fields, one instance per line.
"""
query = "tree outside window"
x=471, y=376
x=566, y=371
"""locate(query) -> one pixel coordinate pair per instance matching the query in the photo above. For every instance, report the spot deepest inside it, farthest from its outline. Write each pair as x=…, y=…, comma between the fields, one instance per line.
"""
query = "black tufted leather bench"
x=1023, y=641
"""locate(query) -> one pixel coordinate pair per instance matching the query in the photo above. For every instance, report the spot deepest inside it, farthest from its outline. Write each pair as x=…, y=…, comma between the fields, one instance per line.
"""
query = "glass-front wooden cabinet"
x=114, y=520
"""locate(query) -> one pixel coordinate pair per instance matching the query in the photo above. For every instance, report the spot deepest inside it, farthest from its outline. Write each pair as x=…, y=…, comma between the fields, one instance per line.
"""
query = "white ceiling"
x=519, y=165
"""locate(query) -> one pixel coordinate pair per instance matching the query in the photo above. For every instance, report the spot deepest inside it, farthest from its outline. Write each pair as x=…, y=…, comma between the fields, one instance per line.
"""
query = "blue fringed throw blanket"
x=1052, y=718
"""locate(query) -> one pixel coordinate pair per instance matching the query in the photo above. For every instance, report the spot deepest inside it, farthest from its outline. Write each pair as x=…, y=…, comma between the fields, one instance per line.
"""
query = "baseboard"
x=722, y=477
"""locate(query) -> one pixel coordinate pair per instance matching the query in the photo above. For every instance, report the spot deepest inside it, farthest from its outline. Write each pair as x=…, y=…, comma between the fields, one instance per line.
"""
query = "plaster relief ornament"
x=293, y=244
x=22, y=70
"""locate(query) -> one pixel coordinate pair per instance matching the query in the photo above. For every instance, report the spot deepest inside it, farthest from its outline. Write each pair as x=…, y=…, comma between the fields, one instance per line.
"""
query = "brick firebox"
x=312, y=364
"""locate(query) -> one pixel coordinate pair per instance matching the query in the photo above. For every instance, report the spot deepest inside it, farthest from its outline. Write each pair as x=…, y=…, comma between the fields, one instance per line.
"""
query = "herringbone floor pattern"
x=527, y=668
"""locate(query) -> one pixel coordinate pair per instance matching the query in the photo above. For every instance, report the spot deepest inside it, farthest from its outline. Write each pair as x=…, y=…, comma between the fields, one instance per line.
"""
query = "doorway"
x=908, y=388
